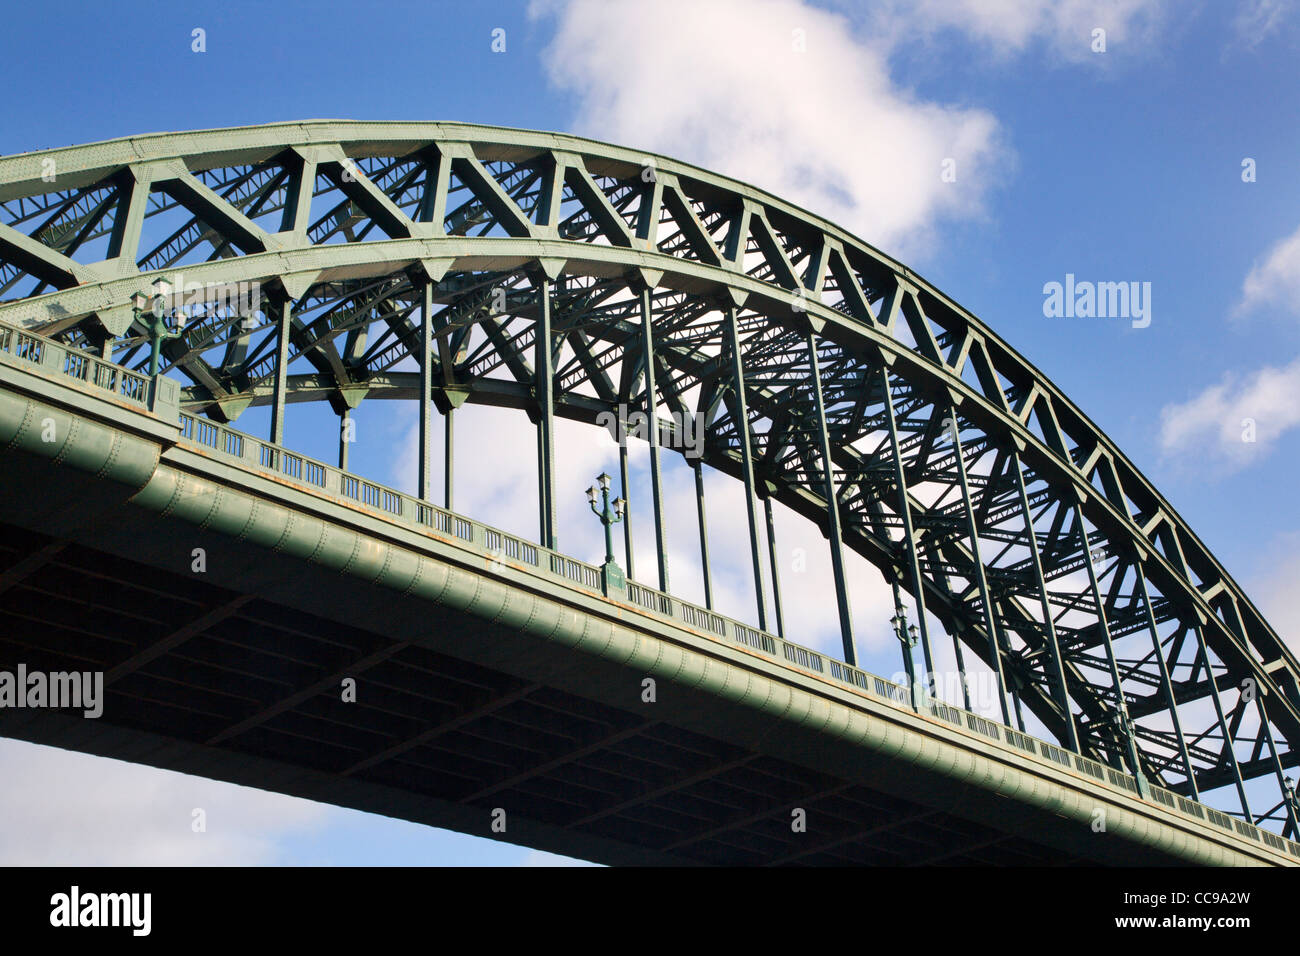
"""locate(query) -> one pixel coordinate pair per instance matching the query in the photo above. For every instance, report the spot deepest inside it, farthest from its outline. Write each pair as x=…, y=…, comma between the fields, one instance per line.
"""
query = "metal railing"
x=60, y=362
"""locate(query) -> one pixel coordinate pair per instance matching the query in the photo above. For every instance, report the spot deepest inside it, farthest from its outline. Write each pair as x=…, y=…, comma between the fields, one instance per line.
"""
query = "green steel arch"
x=401, y=260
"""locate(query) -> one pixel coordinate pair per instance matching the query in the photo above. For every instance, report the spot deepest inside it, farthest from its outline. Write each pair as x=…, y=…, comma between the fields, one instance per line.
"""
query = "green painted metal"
x=1292, y=827
x=449, y=459
x=156, y=326
x=545, y=383
x=609, y=516
x=1121, y=721
x=907, y=641
x=425, y=477
x=284, y=316
x=1166, y=685
x=651, y=402
x=832, y=509
x=1229, y=754
x=746, y=459
x=908, y=543
x=961, y=672
x=1059, y=685
x=704, y=535
x=465, y=202
x=627, y=508
x=1013, y=690
x=233, y=489
x=345, y=417
x=986, y=603
x=772, y=560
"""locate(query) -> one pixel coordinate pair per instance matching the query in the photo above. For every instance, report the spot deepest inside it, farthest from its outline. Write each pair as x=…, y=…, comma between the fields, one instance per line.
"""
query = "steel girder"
x=1033, y=539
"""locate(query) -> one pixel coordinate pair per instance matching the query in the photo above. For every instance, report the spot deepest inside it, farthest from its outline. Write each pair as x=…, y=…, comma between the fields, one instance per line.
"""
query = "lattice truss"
x=1020, y=527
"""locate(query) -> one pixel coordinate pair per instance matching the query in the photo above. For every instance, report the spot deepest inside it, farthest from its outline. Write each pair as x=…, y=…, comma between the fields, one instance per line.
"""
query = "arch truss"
x=343, y=262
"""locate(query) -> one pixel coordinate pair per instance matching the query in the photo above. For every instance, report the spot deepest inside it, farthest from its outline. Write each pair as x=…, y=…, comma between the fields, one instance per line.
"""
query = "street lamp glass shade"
x=912, y=631
x=604, y=481
x=618, y=507
x=140, y=300
x=162, y=286
x=591, y=494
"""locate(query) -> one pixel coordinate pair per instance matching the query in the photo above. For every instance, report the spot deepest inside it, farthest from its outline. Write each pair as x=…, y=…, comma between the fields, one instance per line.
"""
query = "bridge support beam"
x=1166, y=685
x=961, y=671
x=746, y=462
x=956, y=633
x=283, y=320
x=1123, y=731
x=832, y=510
x=426, y=388
x=990, y=615
x=909, y=539
x=776, y=575
x=1293, y=825
x=698, y=468
x=545, y=383
x=1229, y=756
x=449, y=458
x=1013, y=685
x=627, y=504
x=1049, y=625
x=345, y=421
x=652, y=425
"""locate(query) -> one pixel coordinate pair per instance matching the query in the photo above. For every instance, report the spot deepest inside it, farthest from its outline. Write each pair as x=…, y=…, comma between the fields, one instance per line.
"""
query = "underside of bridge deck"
x=235, y=676
x=248, y=683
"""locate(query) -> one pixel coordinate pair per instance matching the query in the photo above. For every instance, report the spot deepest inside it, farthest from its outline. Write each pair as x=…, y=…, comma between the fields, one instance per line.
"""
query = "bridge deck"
x=513, y=684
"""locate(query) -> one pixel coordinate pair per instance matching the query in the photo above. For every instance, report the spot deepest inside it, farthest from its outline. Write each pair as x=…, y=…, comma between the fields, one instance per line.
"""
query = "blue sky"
x=1122, y=165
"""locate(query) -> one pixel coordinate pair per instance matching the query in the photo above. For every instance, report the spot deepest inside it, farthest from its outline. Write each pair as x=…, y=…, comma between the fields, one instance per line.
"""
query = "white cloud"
x=1275, y=281
x=1214, y=426
x=1259, y=19
x=71, y=809
x=1235, y=422
x=1010, y=27
x=724, y=85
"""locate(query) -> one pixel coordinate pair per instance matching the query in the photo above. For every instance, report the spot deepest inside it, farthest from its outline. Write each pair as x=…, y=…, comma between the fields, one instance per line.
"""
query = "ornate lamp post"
x=608, y=516
x=907, y=636
x=149, y=313
x=609, y=513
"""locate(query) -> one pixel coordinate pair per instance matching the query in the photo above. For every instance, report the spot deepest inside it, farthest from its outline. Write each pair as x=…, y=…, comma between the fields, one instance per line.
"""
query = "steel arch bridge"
x=453, y=263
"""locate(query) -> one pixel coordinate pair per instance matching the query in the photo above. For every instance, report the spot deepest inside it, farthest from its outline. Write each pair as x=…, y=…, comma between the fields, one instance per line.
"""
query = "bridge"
x=153, y=289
